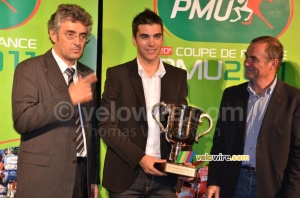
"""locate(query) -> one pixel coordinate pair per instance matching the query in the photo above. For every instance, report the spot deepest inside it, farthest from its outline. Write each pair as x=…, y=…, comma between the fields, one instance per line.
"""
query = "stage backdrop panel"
x=208, y=39
x=24, y=34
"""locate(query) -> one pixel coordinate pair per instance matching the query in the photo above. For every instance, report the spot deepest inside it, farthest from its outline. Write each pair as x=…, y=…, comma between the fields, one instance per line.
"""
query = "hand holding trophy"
x=181, y=130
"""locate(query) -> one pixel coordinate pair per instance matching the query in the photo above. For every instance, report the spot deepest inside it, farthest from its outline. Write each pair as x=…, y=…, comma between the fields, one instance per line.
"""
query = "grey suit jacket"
x=123, y=125
x=44, y=116
x=278, y=143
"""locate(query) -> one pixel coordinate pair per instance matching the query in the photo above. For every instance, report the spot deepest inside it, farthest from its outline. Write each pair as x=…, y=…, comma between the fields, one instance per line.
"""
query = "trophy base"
x=178, y=169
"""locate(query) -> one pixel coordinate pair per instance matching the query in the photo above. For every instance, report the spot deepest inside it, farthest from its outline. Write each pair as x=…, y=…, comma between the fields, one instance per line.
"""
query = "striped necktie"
x=79, y=135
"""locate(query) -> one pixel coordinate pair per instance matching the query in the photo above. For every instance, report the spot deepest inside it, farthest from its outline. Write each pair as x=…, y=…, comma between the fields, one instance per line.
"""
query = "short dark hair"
x=146, y=17
x=274, y=48
x=69, y=12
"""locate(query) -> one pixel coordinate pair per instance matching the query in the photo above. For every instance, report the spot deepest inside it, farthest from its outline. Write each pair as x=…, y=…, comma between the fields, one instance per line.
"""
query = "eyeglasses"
x=72, y=35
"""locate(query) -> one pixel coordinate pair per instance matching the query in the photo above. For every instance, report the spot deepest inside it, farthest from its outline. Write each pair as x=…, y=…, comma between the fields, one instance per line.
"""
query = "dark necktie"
x=79, y=135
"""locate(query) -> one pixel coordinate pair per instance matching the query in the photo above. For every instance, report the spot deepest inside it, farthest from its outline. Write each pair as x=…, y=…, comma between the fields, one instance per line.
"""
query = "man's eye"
x=70, y=34
x=83, y=36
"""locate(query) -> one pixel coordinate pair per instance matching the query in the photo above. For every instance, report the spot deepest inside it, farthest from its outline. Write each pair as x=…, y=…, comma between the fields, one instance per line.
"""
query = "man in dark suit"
x=45, y=111
x=133, y=138
x=259, y=118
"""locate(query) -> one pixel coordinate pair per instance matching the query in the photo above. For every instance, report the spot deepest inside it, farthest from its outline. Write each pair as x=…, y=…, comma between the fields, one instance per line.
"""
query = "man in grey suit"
x=133, y=138
x=259, y=118
x=46, y=105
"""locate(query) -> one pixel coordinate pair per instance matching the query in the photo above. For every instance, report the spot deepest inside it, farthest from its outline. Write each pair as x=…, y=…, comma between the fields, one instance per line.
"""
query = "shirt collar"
x=62, y=65
x=269, y=91
x=160, y=71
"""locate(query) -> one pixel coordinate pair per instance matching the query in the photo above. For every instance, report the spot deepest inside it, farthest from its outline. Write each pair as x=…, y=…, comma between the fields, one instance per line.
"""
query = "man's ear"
x=53, y=36
x=133, y=40
x=274, y=64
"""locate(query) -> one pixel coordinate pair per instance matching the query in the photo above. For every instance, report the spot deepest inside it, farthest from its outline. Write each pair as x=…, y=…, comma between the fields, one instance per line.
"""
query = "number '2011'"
x=214, y=71
x=16, y=58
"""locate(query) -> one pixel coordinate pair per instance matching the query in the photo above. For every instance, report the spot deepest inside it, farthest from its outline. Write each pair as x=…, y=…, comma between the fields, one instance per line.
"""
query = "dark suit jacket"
x=41, y=113
x=125, y=132
x=278, y=143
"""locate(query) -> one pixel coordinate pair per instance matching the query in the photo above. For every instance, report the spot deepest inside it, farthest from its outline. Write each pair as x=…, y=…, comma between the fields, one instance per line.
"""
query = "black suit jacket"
x=123, y=124
x=278, y=143
x=41, y=109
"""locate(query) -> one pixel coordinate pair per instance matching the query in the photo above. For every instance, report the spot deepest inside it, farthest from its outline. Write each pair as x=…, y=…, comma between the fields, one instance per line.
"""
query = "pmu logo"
x=233, y=21
x=14, y=13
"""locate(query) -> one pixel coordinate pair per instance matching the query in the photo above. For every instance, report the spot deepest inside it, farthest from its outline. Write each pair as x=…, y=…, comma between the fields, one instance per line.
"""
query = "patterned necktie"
x=79, y=136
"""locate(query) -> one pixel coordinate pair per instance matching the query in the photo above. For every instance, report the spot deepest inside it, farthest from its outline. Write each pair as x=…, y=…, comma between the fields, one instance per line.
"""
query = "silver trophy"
x=181, y=132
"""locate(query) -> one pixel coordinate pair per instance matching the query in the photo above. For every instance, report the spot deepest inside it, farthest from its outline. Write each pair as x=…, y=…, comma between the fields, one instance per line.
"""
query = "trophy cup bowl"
x=181, y=132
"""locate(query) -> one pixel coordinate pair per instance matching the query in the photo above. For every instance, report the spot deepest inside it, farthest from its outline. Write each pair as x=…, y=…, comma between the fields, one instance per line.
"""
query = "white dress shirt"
x=152, y=89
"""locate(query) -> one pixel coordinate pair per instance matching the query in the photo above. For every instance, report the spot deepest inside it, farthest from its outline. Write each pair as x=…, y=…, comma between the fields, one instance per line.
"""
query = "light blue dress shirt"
x=256, y=110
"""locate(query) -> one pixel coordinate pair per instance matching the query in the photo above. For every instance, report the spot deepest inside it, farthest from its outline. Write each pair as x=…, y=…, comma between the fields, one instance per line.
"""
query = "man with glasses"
x=58, y=154
x=259, y=118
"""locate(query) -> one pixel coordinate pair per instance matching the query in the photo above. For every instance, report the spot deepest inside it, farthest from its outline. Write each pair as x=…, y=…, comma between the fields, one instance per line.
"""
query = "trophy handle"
x=204, y=115
x=162, y=129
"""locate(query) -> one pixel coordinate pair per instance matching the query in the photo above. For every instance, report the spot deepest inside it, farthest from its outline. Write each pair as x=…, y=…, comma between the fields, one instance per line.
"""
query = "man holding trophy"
x=134, y=140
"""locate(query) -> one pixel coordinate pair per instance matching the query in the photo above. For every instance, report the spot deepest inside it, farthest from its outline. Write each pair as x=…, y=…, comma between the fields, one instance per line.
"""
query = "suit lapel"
x=137, y=82
x=137, y=85
x=242, y=102
x=53, y=73
x=81, y=70
x=275, y=100
x=165, y=86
